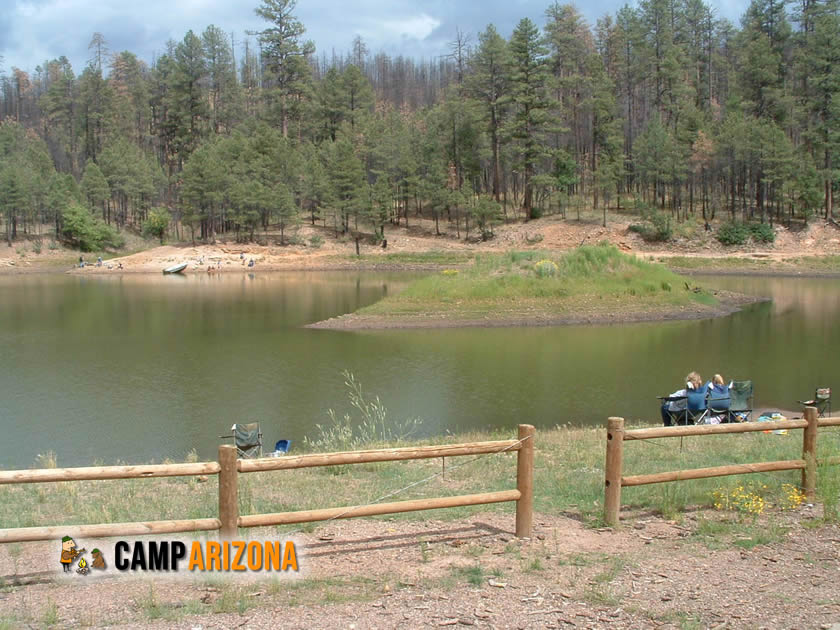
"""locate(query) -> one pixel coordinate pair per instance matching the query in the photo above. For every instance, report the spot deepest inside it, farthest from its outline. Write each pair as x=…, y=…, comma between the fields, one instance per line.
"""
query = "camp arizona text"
x=235, y=555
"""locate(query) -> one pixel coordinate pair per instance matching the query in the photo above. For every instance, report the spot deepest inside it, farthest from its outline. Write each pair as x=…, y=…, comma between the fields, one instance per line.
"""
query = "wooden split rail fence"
x=616, y=436
x=229, y=467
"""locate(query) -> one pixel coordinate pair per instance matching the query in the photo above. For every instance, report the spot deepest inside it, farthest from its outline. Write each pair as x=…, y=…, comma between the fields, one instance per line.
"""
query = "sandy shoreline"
x=317, y=248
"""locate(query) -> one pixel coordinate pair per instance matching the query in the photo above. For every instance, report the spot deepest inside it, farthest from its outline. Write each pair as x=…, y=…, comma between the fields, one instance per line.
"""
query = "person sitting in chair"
x=718, y=400
x=696, y=394
x=676, y=403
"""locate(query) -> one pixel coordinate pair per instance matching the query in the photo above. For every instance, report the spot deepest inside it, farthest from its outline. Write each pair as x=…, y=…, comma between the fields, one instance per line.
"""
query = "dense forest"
x=661, y=107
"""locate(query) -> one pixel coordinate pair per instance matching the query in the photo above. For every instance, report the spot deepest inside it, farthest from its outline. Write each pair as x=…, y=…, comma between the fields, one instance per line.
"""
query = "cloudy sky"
x=33, y=31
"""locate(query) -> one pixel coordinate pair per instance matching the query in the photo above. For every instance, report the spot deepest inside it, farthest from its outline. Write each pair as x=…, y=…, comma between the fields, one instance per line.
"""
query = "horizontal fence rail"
x=378, y=455
x=310, y=516
x=106, y=530
x=228, y=468
x=614, y=479
x=91, y=473
x=712, y=429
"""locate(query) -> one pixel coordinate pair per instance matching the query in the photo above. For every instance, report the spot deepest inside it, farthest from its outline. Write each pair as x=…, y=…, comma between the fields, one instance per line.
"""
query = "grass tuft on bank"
x=595, y=280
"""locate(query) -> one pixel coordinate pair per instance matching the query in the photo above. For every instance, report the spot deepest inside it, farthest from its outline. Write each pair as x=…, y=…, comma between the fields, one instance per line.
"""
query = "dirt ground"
x=550, y=233
x=649, y=573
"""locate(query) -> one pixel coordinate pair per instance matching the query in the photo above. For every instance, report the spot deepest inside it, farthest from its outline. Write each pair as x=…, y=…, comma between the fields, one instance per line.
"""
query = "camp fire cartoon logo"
x=70, y=552
x=136, y=557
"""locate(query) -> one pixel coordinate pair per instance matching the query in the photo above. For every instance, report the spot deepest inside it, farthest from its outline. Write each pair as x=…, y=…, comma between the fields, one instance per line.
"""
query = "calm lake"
x=139, y=368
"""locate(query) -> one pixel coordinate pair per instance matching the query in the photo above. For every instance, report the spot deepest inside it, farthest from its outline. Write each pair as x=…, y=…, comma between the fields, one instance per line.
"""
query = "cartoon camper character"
x=98, y=560
x=69, y=552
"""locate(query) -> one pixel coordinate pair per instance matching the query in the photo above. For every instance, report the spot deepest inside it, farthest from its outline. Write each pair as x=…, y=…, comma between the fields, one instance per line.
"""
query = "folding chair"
x=719, y=401
x=696, y=408
x=821, y=400
x=677, y=416
x=741, y=401
x=248, y=440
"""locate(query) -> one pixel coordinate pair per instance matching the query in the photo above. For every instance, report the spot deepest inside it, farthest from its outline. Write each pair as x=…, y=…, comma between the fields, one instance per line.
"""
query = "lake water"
x=139, y=368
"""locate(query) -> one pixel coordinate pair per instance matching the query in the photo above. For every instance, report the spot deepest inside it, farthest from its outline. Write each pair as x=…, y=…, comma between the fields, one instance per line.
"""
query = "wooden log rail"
x=108, y=472
x=228, y=468
x=614, y=478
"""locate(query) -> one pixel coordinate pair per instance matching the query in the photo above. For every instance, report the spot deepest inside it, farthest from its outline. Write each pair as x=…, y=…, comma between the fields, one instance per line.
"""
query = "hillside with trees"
x=662, y=108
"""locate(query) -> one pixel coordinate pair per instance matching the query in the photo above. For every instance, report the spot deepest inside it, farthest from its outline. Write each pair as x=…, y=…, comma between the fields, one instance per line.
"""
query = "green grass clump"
x=740, y=233
x=595, y=279
x=473, y=575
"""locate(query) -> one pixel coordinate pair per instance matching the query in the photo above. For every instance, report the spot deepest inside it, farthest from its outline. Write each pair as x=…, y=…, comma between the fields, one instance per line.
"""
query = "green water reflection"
x=139, y=368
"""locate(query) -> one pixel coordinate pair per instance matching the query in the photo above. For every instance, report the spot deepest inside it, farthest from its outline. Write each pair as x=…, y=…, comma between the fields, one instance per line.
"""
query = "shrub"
x=157, y=223
x=89, y=233
x=316, y=240
x=733, y=234
x=486, y=213
x=762, y=233
x=545, y=269
x=745, y=500
x=37, y=247
x=656, y=228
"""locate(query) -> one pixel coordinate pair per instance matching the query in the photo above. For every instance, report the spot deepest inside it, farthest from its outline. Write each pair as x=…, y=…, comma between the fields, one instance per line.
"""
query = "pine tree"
x=348, y=180
x=225, y=96
x=528, y=78
x=284, y=53
x=187, y=102
x=822, y=69
x=488, y=84
x=95, y=188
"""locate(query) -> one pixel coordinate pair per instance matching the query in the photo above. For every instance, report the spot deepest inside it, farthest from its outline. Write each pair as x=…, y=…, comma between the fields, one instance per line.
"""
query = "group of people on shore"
x=218, y=267
x=695, y=399
x=99, y=263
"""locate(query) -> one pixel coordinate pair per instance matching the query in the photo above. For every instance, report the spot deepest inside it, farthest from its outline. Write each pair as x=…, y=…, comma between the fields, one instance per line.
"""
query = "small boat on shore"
x=175, y=268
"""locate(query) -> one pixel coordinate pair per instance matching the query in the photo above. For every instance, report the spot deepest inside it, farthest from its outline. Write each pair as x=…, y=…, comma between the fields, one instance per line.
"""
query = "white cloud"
x=416, y=27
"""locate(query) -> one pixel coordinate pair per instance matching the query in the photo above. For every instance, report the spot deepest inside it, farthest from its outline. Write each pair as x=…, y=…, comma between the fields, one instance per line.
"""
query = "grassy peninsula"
x=591, y=284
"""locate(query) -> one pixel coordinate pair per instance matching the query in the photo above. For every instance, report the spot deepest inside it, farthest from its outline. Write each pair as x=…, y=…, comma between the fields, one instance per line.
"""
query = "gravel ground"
x=649, y=573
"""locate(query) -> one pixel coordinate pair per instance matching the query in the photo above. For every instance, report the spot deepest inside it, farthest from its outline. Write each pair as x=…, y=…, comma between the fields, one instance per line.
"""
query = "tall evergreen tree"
x=284, y=53
x=488, y=84
x=528, y=80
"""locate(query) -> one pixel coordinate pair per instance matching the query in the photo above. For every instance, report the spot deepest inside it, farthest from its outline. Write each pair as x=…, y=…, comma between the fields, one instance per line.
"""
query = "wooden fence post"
x=613, y=470
x=809, y=453
x=228, y=491
x=525, y=481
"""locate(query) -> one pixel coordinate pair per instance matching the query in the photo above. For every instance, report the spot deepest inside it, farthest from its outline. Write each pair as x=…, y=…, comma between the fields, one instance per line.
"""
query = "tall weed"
x=372, y=425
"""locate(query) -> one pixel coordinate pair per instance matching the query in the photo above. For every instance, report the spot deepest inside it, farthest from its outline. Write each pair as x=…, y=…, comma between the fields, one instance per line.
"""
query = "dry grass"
x=569, y=479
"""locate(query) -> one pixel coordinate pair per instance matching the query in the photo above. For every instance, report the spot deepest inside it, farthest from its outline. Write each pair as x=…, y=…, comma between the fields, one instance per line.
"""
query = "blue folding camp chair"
x=718, y=400
x=696, y=409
